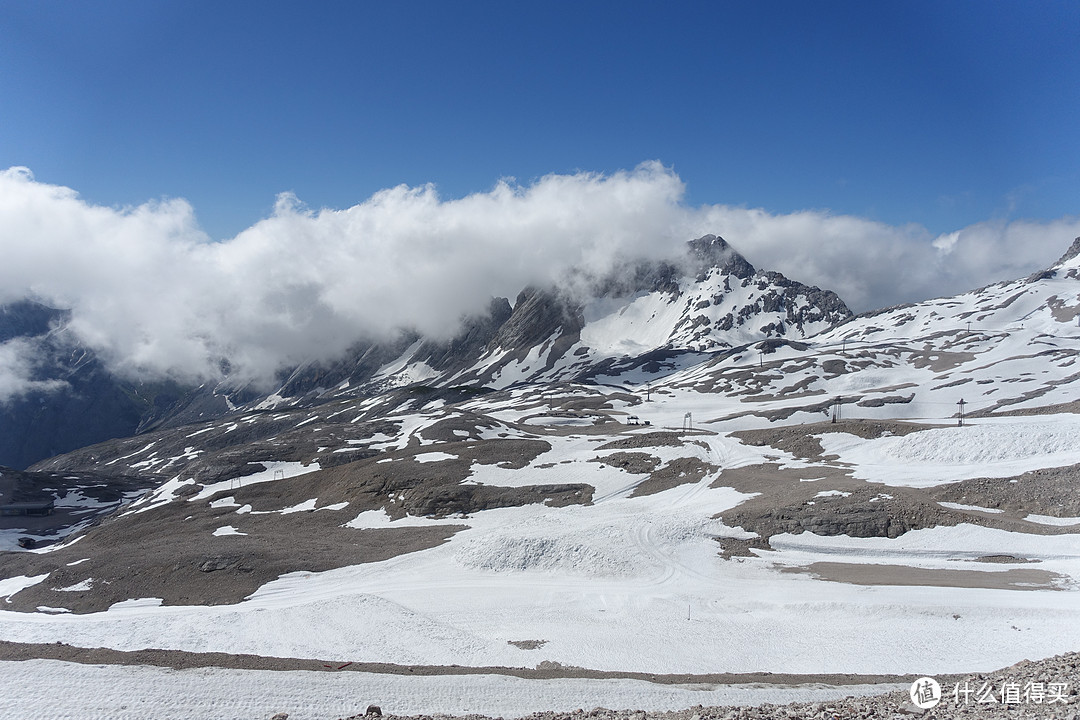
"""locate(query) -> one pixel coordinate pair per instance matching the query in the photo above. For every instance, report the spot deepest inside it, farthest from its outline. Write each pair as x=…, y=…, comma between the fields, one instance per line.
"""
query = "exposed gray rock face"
x=821, y=305
x=451, y=500
x=475, y=335
x=861, y=515
x=27, y=319
x=358, y=366
x=1072, y=252
x=702, y=255
x=366, y=358
x=711, y=251
x=631, y=278
x=538, y=314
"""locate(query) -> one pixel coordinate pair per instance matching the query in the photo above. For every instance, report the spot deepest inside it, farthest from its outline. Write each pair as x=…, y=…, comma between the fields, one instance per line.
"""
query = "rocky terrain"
x=1042, y=689
x=992, y=695
x=690, y=471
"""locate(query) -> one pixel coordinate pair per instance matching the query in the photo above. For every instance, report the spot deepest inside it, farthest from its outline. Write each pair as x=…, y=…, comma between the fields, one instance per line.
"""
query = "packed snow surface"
x=117, y=692
x=982, y=448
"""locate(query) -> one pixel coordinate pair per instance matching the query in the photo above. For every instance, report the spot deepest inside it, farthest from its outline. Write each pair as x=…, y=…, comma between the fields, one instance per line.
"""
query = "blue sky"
x=248, y=181
x=942, y=114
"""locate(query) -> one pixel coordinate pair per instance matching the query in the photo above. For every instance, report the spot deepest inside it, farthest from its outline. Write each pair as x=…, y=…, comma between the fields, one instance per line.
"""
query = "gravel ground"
x=547, y=670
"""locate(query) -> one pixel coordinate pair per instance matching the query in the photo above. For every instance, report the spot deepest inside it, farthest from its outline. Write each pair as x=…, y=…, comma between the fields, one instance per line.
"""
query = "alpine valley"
x=682, y=469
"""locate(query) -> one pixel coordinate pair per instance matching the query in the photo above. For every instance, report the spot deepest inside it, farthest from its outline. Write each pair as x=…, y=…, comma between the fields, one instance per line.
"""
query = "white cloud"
x=873, y=265
x=17, y=364
x=152, y=294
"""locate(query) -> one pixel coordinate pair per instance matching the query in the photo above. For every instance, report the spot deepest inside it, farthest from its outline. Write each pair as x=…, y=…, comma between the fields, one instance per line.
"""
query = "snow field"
x=614, y=328
x=1051, y=520
x=1000, y=447
x=636, y=583
x=627, y=584
x=433, y=457
x=572, y=457
x=114, y=692
x=945, y=548
x=378, y=519
x=975, y=508
x=403, y=371
x=593, y=541
x=558, y=421
x=1008, y=354
x=273, y=471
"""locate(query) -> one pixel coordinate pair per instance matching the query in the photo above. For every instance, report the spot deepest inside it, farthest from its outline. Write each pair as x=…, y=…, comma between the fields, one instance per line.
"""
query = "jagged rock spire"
x=1072, y=252
x=709, y=251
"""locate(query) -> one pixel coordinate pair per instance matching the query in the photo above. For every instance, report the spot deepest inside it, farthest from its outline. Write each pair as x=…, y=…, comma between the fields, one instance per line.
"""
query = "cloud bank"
x=18, y=361
x=153, y=295
x=872, y=265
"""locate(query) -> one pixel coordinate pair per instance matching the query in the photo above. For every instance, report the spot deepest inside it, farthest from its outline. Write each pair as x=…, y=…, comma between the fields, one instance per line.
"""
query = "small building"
x=38, y=508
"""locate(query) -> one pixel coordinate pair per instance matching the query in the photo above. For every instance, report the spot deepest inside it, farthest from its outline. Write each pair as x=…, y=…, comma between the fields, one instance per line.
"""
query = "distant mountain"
x=761, y=349
x=645, y=315
x=86, y=404
x=1001, y=348
x=641, y=313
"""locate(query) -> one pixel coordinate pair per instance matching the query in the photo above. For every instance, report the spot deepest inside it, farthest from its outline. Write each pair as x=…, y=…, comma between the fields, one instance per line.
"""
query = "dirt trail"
x=179, y=659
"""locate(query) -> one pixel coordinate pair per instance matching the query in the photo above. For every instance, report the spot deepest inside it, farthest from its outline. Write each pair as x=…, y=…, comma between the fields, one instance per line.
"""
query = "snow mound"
x=939, y=455
x=595, y=553
x=979, y=444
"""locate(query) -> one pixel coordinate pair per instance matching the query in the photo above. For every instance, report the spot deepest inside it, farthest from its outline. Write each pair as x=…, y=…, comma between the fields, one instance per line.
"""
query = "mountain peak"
x=709, y=251
x=1071, y=253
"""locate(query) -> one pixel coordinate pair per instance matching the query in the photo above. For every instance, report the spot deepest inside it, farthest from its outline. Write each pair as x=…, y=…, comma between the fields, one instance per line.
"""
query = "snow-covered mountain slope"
x=640, y=316
x=516, y=521
x=1004, y=348
x=712, y=298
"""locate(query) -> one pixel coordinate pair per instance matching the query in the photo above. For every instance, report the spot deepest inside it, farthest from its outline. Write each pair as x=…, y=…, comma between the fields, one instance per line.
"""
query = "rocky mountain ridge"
x=709, y=300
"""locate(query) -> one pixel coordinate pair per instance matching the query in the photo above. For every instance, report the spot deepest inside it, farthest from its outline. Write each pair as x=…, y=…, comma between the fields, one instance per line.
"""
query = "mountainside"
x=639, y=314
x=75, y=401
x=712, y=299
x=635, y=481
x=1004, y=348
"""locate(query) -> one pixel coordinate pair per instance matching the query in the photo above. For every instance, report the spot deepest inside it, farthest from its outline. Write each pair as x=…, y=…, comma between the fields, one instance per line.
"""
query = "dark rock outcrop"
x=1072, y=252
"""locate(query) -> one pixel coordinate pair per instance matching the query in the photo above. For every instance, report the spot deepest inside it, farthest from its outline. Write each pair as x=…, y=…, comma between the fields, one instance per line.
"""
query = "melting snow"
x=86, y=584
x=433, y=457
x=273, y=471
x=301, y=507
x=933, y=456
x=1051, y=520
x=378, y=519
x=958, y=506
x=220, y=694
